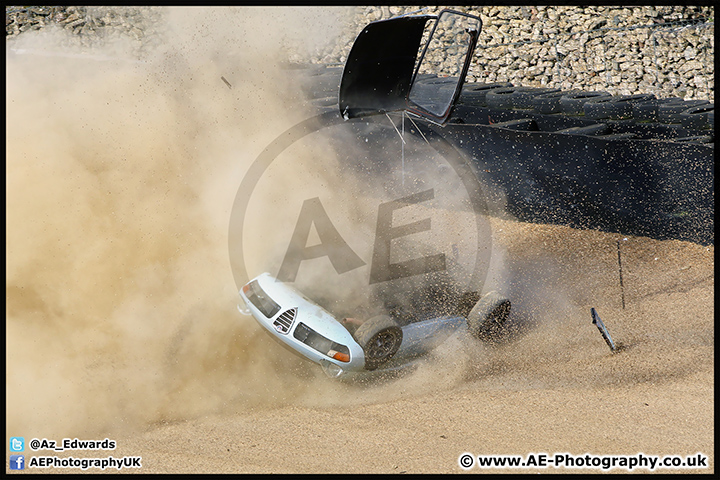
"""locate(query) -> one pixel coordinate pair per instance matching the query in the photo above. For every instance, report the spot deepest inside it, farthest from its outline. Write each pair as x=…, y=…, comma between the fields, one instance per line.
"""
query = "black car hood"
x=380, y=66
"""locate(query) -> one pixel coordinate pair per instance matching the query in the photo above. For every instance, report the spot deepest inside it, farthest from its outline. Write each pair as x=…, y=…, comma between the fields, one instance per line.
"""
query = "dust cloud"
x=120, y=178
x=121, y=175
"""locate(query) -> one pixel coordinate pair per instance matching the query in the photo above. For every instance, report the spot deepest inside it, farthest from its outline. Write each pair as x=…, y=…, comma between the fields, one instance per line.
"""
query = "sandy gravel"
x=555, y=389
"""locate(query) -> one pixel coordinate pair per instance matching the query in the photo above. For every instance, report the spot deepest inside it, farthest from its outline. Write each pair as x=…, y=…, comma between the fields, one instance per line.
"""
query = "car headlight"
x=243, y=308
x=330, y=369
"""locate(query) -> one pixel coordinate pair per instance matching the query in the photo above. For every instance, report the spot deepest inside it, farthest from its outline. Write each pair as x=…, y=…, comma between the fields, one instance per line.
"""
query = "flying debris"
x=603, y=330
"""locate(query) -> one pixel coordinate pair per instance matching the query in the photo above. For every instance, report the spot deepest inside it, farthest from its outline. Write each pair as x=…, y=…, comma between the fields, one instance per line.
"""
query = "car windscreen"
x=260, y=299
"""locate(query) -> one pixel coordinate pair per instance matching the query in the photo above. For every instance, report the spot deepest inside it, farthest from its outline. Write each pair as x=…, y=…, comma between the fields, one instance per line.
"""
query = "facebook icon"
x=17, y=462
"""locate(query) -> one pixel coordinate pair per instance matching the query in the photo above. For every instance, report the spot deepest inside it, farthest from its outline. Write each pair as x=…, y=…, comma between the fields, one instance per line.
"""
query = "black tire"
x=572, y=103
x=525, y=124
x=488, y=316
x=380, y=338
x=466, y=303
x=619, y=136
x=592, y=129
x=670, y=112
x=548, y=103
x=697, y=117
x=514, y=97
x=607, y=109
x=638, y=97
x=647, y=110
x=700, y=139
x=475, y=93
x=500, y=97
x=614, y=107
x=523, y=97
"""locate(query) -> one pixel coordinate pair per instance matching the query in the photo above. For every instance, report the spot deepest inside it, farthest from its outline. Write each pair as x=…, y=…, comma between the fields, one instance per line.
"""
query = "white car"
x=348, y=345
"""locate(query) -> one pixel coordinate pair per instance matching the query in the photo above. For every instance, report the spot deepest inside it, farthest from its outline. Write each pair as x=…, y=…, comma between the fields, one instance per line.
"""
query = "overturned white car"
x=350, y=345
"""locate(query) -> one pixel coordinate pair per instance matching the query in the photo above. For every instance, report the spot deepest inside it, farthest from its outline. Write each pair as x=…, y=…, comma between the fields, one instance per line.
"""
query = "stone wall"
x=665, y=50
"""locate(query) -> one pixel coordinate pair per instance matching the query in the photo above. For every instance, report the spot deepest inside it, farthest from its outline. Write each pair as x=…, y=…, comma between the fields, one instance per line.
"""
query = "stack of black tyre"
x=321, y=85
x=647, y=164
x=591, y=105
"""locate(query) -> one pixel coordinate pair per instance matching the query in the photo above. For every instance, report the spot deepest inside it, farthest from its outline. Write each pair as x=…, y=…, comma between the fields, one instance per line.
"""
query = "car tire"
x=711, y=120
x=475, y=93
x=607, y=109
x=697, y=117
x=508, y=98
x=488, y=316
x=615, y=107
x=592, y=129
x=572, y=103
x=647, y=110
x=670, y=112
x=699, y=139
x=548, y=103
x=500, y=97
x=523, y=98
x=380, y=338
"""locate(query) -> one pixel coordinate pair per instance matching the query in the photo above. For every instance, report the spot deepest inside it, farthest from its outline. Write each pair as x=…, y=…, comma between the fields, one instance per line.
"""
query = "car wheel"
x=488, y=315
x=380, y=338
